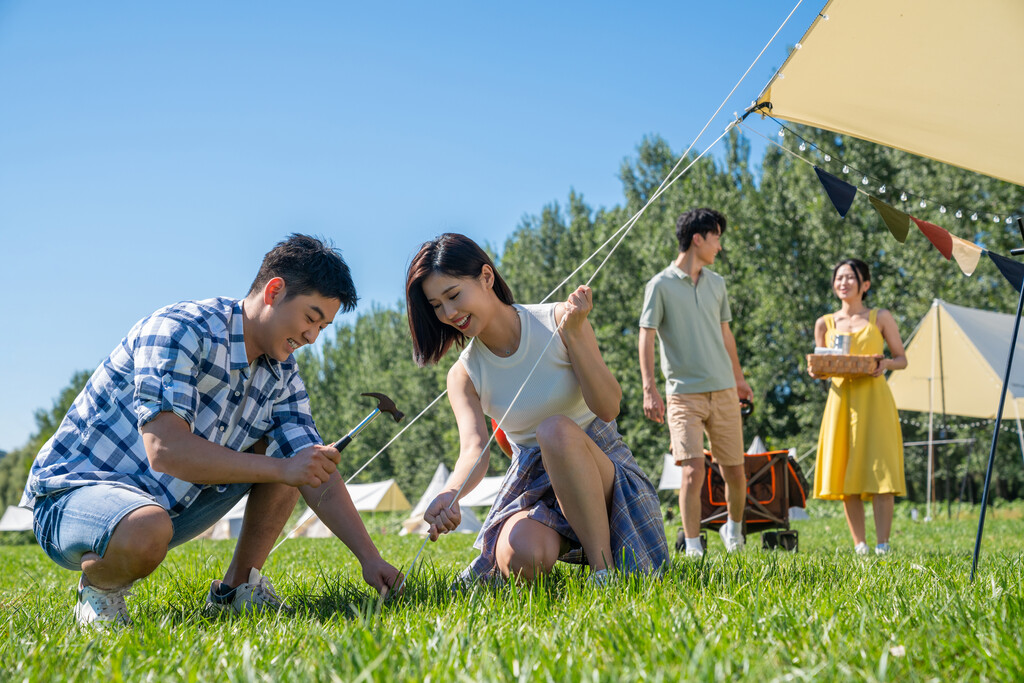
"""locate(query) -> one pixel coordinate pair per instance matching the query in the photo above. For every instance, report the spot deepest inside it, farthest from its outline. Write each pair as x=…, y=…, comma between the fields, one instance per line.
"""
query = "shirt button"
x=238, y=393
x=188, y=498
x=222, y=428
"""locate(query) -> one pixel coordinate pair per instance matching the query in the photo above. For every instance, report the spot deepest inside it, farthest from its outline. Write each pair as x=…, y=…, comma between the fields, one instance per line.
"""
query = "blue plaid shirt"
x=187, y=358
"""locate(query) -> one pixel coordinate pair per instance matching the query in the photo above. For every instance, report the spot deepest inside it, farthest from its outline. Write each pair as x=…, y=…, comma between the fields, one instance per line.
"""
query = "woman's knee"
x=554, y=431
x=525, y=554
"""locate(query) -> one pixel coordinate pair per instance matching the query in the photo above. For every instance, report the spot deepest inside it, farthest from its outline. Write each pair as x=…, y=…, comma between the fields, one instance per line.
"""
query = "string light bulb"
x=974, y=216
x=864, y=180
x=828, y=157
x=803, y=146
x=942, y=209
x=881, y=190
x=1009, y=220
x=995, y=219
x=846, y=169
x=782, y=133
x=959, y=213
x=923, y=204
x=903, y=196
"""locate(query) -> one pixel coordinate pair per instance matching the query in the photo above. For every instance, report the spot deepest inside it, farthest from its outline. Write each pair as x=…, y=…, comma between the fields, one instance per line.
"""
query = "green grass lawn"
x=821, y=613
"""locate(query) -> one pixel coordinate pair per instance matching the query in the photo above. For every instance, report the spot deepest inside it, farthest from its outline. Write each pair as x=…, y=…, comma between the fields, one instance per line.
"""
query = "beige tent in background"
x=937, y=78
x=955, y=364
x=415, y=525
x=379, y=496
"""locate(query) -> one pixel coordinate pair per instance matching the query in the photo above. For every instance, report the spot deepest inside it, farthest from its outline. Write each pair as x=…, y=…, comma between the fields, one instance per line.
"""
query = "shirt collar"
x=679, y=272
x=239, y=358
x=236, y=337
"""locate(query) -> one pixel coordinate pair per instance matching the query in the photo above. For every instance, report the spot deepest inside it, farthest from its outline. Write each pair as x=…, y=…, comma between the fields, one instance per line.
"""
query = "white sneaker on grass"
x=694, y=553
x=255, y=595
x=600, y=578
x=733, y=543
x=100, y=608
x=861, y=549
x=882, y=549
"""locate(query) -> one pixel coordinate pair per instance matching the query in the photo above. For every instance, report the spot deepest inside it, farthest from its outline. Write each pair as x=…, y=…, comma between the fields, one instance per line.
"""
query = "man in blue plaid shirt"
x=200, y=404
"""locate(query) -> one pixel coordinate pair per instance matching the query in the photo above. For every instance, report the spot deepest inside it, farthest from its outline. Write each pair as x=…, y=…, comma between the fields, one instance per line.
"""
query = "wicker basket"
x=837, y=365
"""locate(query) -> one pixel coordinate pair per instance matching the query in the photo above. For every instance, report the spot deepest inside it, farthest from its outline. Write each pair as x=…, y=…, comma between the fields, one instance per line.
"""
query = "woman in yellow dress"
x=860, y=446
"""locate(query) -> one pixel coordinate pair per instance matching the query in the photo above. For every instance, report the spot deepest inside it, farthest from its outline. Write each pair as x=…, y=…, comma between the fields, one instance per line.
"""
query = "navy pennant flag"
x=839, y=191
x=1012, y=270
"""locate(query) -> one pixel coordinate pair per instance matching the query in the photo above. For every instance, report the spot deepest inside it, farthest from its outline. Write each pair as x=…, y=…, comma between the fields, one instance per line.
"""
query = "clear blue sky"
x=153, y=152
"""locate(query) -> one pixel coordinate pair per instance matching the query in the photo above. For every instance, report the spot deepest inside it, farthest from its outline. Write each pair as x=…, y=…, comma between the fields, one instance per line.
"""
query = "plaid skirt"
x=637, y=529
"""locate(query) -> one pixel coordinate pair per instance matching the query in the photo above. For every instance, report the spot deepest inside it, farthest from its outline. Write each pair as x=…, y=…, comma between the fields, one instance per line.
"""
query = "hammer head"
x=386, y=405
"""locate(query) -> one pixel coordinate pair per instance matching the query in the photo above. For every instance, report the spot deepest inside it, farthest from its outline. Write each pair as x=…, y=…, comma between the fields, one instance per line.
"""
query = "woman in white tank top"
x=573, y=491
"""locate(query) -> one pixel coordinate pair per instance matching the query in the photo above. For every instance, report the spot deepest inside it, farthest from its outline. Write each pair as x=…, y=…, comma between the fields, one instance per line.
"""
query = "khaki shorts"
x=714, y=412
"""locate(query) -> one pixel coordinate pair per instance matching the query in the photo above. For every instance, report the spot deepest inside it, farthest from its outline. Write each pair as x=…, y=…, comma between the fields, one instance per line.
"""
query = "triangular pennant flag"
x=966, y=254
x=897, y=221
x=840, y=192
x=940, y=237
x=1012, y=270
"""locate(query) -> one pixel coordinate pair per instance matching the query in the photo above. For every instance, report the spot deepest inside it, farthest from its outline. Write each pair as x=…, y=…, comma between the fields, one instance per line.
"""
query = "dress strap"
x=830, y=322
x=873, y=317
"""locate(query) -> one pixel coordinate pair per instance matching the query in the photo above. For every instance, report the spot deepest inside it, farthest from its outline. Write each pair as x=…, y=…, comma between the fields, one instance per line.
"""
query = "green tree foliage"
x=15, y=465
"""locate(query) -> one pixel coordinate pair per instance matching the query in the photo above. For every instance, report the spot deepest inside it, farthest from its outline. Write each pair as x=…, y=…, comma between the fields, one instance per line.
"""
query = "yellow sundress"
x=860, y=446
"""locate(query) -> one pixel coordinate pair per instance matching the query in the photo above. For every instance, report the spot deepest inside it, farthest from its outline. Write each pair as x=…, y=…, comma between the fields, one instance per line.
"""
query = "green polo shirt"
x=688, y=318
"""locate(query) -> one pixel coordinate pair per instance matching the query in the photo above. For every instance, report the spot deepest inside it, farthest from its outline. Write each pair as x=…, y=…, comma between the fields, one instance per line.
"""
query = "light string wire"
x=668, y=181
x=881, y=183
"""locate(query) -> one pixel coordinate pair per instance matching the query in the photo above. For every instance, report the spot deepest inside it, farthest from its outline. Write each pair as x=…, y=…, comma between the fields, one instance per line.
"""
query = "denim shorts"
x=82, y=520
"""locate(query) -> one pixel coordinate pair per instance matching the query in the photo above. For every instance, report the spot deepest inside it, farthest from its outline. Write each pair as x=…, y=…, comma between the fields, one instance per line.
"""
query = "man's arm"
x=654, y=406
x=173, y=449
x=742, y=388
x=333, y=505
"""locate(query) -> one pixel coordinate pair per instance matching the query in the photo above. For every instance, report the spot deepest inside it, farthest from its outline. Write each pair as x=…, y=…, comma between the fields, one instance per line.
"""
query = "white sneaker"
x=98, y=607
x=600, y=578
x=256, y=595
x=861, y=549
x=732, y=543
x=695, y=553
x=882, y=549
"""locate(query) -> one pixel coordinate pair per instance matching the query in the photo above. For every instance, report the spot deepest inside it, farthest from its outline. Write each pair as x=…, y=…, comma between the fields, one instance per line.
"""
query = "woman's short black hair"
x=449, y=254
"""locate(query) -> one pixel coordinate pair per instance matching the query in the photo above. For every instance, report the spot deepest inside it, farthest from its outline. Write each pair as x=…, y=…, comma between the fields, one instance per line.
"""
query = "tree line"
x=782, y=241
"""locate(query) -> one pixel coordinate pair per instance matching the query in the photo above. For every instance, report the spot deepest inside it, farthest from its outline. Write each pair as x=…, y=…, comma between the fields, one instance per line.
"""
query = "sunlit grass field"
x=822, y=613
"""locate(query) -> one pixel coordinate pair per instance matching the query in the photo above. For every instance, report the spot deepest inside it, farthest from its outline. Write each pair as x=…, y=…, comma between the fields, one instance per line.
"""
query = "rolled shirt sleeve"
x=167, y=355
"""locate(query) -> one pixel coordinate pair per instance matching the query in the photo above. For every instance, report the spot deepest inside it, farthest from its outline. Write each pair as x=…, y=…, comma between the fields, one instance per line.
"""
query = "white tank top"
x=552, y=390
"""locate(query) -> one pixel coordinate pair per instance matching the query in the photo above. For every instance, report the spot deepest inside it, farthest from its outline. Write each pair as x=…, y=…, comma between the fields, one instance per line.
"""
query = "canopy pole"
x=999, y=415
x=1020, y=432
x=931, y=416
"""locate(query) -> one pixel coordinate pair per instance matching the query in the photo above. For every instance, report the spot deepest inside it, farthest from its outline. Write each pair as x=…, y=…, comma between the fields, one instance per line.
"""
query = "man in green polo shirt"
x=687, y=308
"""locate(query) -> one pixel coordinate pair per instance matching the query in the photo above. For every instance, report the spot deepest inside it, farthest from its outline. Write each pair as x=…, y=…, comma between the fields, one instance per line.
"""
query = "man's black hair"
x=698, y=222
x=308, y=265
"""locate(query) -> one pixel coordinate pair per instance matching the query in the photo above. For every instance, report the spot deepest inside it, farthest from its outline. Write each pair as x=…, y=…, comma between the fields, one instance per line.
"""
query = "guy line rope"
x=670, y=178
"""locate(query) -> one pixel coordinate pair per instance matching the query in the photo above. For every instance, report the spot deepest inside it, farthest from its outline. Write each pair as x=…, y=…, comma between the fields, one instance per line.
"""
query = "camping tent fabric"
x=379, y=496
x=16, y=519
x=415, y=525
x=936, y=78
x=484, y=494
x=970, y=349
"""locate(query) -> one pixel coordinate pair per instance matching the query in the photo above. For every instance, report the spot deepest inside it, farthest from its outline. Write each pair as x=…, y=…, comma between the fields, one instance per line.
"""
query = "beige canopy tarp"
x=956, y=361
x=936, y=78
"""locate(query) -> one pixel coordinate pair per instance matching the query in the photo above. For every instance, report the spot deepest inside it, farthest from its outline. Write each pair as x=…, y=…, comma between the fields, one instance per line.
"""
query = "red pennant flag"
x=940, y=237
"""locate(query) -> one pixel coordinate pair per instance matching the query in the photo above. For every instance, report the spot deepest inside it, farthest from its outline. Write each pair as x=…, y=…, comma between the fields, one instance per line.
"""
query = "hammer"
x=384, y=404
